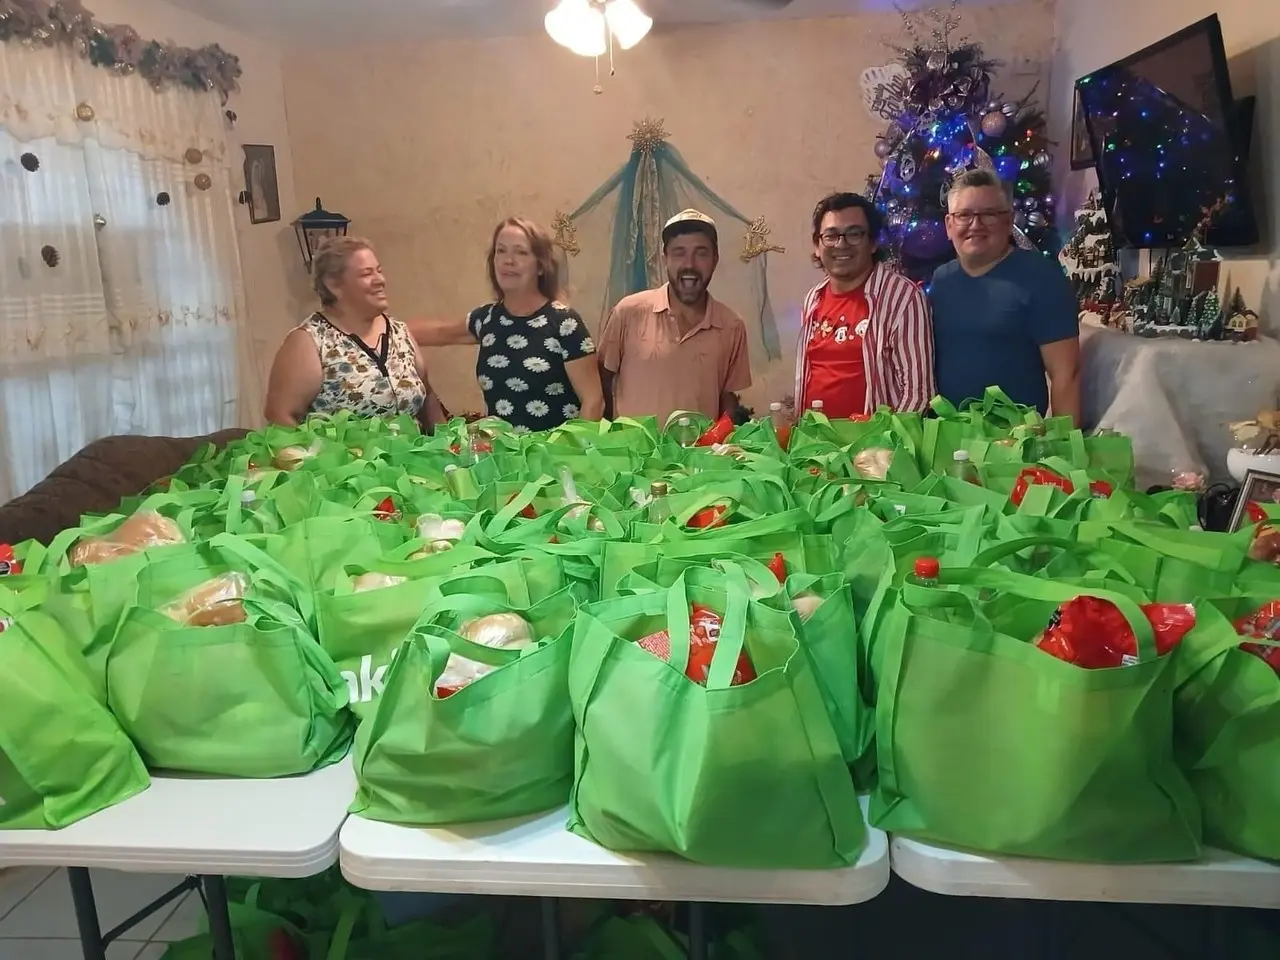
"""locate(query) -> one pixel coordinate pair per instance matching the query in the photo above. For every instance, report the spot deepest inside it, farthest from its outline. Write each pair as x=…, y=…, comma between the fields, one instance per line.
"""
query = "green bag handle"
x=266, y=568
x=996, y=404
x=695, y=417
x=733, y=628
x=1050, y=591
x=1099, y=559
x=944, y=408
x=441, y=643
x=1210, y=557
x=505, y=516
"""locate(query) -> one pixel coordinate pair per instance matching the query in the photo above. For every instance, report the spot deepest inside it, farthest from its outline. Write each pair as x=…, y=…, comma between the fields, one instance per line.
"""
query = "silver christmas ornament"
x=1009, y=109
x=1042, y=161
x=883, y=148
x=937, y=61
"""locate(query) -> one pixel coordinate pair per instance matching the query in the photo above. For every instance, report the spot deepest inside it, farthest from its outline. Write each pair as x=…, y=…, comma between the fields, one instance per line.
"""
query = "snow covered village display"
x=1090, y=262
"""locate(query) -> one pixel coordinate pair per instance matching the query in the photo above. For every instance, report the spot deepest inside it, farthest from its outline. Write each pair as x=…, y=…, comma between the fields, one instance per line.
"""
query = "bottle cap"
x=927, y=568
x=658, y=488
x=816, y=405
x=450, y=467
x=683, y=422
x=961, y=455
x=775, y=406
x=247, y=496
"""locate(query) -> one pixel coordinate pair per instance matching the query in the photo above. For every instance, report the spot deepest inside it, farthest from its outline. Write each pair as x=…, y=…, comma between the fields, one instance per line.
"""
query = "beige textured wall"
x=426, y=146
x=268, y=253
x=1093, y=33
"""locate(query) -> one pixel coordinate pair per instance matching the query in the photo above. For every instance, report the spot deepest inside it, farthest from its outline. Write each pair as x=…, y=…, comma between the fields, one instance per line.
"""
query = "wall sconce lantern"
x=317, y=226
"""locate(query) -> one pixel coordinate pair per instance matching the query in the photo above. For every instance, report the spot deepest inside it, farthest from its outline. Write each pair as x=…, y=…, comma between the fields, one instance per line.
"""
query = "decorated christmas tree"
x=942, y=120
x=1089, y=260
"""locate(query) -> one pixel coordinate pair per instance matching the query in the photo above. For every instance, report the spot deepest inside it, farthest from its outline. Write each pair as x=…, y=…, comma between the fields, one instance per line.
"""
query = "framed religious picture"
x=1260, y=489
x=260, y=183
x=1081, y=148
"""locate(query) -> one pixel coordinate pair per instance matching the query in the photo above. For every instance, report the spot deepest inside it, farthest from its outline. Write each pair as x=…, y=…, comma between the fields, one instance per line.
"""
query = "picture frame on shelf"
x=261, y=187
x=1081, y=147
x=1258, y=487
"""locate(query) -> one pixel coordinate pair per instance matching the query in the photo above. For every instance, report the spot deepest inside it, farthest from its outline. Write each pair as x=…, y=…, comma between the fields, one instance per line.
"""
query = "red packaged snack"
x=1038, y=475
x=778, y=567
x=1263, y=624
x=9, y=563
x=1100, y=489
x=704, y=633
x=386, y=510
x=1092, y=633
x=712, y=516
x=1255, y=512
x=528, y=512
x=718, y=432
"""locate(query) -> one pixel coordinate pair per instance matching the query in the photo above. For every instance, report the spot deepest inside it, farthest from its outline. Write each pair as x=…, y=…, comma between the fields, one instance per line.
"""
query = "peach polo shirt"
x=658, y=371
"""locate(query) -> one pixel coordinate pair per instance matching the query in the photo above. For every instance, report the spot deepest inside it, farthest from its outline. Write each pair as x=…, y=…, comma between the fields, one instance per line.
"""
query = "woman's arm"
x=295, y=380
x=432, y=411
x=441, y=333
x=584, y=374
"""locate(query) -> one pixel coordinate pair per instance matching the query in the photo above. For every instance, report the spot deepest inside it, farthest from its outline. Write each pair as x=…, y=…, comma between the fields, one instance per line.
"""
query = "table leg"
x=697, y=932
x=91, y=944
x=550, y=928
x=215, y=898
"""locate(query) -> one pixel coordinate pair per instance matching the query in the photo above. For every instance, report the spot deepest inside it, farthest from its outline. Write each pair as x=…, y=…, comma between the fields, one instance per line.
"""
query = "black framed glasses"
x=968, y=217
x=853, y=236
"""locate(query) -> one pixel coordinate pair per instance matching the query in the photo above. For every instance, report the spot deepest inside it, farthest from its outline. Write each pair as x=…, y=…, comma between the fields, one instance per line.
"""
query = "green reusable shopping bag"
x=363, y=630
x=987, y=742
x=63, y=756
x=315, y=550
x=253, y=699
x=500, y=747
x=1227, y=718
x=735, y=776
x=256, y=934
x=639, y=435
x=361, y=933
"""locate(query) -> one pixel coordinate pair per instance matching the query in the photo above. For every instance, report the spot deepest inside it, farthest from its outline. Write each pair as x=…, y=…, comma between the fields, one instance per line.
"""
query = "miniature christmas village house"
x=1242, y=323
x=1180, y=299
x=1089, y=260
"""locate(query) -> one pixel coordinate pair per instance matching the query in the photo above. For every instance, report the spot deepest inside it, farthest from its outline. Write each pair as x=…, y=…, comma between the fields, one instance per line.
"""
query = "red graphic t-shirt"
x=836, y=373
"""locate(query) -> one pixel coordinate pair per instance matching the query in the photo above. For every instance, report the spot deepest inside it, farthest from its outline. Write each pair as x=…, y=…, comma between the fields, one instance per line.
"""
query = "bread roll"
x=374, y=581
x=806, y=605
x=144, y=529
x=873, y=463
x=214, y=603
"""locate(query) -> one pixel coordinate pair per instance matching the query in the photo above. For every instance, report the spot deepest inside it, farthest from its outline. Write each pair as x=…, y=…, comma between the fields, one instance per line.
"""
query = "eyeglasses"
x=967, y=217
x=853, y=236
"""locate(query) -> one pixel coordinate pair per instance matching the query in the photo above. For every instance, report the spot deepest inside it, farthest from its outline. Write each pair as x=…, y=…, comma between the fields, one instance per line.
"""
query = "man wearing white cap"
x=676, y=347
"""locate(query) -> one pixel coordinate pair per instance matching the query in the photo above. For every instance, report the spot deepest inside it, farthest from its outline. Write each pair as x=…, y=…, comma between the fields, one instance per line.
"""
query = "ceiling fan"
x=587, y=27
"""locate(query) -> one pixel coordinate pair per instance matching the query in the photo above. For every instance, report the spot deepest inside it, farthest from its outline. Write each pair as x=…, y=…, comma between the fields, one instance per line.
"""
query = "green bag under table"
x=502, y=746
x=63, y=756
x=987, y=742
x=736, y=776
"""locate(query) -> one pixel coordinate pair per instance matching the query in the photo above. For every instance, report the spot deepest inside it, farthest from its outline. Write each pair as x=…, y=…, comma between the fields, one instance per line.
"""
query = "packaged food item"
x=434, y=528
x=1262, y=624
x=290, y=458
x=873, y=463
x=778, y=567
x=717, y=433
x=386, y=509
x=1092, y=633
x=704, y=633
x=9, y=563
x=374, y=581
x=1266, y=545
x=728, y=450
x=142, y=530
x=502, y=631
x=1038, y=475
x=579, y=505
x=806, y=605
x=215, y=603
x=712, y=516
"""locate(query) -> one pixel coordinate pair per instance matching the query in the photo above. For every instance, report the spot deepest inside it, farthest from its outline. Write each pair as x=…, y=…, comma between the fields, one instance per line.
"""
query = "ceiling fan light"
x=577, y=25
x=628, y=23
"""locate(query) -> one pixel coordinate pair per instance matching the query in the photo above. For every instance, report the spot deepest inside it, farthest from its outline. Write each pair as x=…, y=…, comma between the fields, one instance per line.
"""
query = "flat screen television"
x=1167, y=141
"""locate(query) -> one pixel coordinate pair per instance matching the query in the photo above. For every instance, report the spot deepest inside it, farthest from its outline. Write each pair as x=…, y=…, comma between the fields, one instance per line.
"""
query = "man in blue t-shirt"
x=1002, y=316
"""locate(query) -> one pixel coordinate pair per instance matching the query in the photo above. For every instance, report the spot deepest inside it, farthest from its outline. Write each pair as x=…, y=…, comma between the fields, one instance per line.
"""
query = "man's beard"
x=686, y=295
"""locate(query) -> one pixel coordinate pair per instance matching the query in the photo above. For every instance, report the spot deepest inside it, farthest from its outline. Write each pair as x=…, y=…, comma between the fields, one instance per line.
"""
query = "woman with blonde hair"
x=349, y=354
x=537, y=365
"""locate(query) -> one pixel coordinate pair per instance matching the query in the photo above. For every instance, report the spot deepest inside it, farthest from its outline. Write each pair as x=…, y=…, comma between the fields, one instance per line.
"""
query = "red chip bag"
x=1100, y=489
x=9, y=563
x=1263, y=624
x=386, y=510
x=528, y=512
x=704, y=633
x=718, y=432
x=1038, y=475
x=1255, y=512
x=778, y=567
x=1092, y=633
x=712, y=516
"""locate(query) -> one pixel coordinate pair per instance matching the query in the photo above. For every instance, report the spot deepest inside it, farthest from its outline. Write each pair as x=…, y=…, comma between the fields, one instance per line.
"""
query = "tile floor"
x=37, y=920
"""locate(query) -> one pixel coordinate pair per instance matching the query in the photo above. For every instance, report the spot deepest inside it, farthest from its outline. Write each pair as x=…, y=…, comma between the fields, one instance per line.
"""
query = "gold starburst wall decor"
x=756, y=241
x=566, y=234
x=648, y=134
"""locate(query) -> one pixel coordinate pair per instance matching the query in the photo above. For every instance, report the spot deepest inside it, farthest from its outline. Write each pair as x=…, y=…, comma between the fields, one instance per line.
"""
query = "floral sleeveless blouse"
x=368, y=381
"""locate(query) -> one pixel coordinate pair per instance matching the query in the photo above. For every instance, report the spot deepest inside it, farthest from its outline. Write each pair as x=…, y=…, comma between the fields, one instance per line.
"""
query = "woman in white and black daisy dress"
x=537, y=365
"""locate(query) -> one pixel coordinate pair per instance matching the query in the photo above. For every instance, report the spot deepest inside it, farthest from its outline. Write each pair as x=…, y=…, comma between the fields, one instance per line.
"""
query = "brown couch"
x=95, y=480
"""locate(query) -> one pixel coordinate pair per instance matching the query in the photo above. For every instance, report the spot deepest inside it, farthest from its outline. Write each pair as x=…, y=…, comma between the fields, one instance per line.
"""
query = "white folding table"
x=1219, y=879
x=206, y=827
x=537, y=856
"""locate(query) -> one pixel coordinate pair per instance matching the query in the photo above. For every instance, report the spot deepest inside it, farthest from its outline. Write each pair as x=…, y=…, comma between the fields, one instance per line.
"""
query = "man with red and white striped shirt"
x=866, y=338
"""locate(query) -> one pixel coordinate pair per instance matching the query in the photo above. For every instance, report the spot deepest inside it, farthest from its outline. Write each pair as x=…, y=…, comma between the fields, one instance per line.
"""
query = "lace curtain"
x=119, y=313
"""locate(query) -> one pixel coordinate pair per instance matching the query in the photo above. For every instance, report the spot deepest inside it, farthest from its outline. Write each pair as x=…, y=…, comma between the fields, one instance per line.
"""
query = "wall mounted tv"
x=1170, y=141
